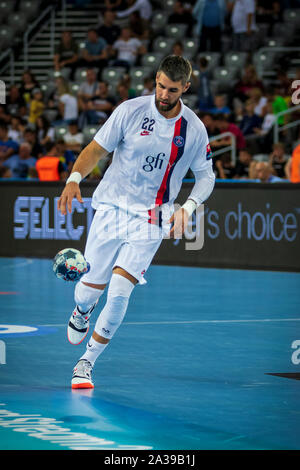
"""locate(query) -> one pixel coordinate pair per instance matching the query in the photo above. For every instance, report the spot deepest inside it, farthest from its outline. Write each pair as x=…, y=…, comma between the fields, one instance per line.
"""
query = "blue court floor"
x=190, y=368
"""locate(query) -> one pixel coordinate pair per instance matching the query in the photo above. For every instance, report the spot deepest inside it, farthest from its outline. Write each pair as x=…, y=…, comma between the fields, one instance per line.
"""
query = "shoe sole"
x=75, y=344
x=82, y=385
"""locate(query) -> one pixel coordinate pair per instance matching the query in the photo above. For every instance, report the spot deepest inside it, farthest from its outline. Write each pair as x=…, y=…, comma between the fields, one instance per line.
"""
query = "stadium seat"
x=235, y=59
x=291, y=16
x=60, y=131
x=17, y=22
x=29, y=8
x=6, y=36
x=190, y=101
x=158, y=21
x=140, y=73
x=74, y=87
x=163, y=45
x=274, y=42
x=113, y=74
x=224, y=77
x=80, y=75
x=190, y=48
x=6, y=7
x=53, y=74
x=168, y=5
x=137, y=85
x=152, y=60
x=176, y=31
x=213, y=59
x=263, y=61
x=47, y=88
x=89, y=132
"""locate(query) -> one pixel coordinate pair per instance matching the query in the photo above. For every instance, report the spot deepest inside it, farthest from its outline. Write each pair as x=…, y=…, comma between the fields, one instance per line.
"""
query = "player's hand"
x=179, y=220
x=70, y=192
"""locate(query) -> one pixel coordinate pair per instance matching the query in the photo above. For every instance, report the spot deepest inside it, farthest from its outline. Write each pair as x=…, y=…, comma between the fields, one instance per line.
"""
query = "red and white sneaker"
x=82, y=375
x=79, y=324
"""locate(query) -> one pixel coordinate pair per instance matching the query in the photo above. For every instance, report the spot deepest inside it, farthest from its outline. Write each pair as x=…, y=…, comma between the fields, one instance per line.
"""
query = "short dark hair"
x=176, y=68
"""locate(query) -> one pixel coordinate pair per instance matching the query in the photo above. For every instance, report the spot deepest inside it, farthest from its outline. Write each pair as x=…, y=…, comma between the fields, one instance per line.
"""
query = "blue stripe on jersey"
x=178, y=157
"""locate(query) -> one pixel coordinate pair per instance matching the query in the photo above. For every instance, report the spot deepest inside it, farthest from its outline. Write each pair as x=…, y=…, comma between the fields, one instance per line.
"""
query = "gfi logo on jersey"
x=154, y=162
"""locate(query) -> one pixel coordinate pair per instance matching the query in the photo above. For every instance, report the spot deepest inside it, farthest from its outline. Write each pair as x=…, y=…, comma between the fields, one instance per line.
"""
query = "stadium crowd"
x=31, y=146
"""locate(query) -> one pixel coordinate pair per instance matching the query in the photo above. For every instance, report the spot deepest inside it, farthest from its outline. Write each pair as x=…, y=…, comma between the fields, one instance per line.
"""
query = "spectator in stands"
x=36, y=105
x=127, y=49
x=87, y=89
x=16, y=129
x=28, y=84
x=30, y=136
x=68, y=106
x=45, y=132
x=243, y=164
x=181, y=15
x=149, y=87
x=99, y=106
x=224, y=125
x=263, y=173
x=15, y=103
x=8, y=147
x=268, y=119
x=278, y=159
x=268, y=12
x=205, y=96
x=178, y=48
x=66, y=54
x=115, y=5
x=144, y=7
x=50, y=166
x=210, y=16
x=284, y=84
x=220, y=106
x=223, y=167
x=250, y=120
x=242, y=89
x=139, y=27
x=210, y=123
x=259, y=100
x=4, y=115
x=94, y=53
x=73, y=138
x=292, y=169
x=243, y=24
x=108, y=30
x=5, y=172
x=279, y=104
x=123, y=93
x=21, y=162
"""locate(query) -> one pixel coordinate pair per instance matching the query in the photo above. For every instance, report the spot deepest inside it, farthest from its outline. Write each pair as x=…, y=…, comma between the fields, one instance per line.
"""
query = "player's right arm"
x=85, y=163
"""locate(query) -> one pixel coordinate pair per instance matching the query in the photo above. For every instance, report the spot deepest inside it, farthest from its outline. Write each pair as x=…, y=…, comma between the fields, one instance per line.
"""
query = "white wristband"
x=189, y=206
x=74, y=177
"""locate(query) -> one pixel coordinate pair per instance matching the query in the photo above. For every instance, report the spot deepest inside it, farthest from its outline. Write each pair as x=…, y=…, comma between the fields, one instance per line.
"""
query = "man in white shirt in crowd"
x=156, y=139
x=243, y=24
x=127, y=49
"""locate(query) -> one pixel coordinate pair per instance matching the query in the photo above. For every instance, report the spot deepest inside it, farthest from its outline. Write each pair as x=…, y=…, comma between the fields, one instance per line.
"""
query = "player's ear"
x=186, y=87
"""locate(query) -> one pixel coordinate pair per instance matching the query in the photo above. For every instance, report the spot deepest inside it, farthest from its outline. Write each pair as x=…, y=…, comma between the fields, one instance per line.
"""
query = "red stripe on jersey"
x=173, y=155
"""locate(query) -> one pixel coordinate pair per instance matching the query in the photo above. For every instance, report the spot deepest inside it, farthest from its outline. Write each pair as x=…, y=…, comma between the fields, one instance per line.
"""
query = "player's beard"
x=167, y=107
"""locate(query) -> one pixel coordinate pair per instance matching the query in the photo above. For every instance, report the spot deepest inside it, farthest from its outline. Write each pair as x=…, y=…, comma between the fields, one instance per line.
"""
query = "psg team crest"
x=178, y=141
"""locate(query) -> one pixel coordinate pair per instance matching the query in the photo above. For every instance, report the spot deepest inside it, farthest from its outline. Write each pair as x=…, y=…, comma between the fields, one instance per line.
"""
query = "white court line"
x=262, y=320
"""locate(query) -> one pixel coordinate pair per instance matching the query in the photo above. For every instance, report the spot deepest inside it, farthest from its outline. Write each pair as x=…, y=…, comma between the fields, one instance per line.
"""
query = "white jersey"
x=151, y=157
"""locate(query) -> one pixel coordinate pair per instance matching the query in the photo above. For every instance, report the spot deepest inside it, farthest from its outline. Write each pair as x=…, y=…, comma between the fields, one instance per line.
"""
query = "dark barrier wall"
x=244, y=225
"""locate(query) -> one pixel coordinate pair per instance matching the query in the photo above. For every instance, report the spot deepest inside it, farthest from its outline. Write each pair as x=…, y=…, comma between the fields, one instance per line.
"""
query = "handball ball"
x=70, y=265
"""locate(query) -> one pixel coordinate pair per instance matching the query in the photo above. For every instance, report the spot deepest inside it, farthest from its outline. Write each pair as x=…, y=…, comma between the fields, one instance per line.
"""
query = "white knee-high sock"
x=111, y=316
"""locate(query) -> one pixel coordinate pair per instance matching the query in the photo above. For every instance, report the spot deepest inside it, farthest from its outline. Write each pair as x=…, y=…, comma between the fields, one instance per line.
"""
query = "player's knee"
x=86, y=296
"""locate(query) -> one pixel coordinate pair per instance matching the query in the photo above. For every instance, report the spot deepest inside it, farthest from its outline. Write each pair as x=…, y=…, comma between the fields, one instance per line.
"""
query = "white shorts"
x=117, y=238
